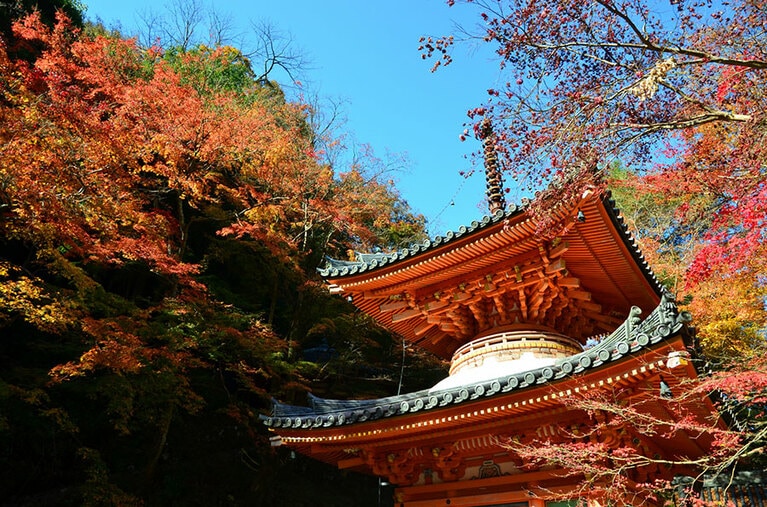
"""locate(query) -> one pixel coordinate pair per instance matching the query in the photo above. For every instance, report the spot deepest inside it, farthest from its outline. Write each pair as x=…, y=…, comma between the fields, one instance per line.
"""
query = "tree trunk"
x=164, y=429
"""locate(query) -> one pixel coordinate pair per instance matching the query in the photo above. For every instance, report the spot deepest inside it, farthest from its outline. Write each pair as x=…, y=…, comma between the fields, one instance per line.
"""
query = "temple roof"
x=631, y=337
x=513, y=304
x=581, y=280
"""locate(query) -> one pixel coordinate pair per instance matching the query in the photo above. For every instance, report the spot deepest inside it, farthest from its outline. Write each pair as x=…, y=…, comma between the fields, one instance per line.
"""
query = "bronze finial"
x=493, y=176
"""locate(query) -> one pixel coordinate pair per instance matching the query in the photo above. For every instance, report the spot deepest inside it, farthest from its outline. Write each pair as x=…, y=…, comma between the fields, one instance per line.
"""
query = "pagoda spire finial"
x=493, y=176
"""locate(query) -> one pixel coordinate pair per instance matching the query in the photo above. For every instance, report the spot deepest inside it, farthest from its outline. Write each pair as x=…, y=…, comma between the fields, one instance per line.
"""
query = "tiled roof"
x=739, y=489
x=366, y=262
x=631, y=337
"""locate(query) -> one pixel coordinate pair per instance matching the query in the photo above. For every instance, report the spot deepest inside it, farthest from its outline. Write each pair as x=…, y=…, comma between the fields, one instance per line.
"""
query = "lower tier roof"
x=631, y=338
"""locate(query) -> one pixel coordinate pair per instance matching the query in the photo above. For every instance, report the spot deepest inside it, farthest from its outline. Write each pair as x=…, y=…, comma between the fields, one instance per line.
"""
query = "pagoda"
x=529, y=321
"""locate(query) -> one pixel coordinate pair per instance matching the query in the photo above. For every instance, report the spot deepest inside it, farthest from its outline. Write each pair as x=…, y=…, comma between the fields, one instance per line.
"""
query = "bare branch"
x=276, y=50
x=182, y=22
x=221, y=28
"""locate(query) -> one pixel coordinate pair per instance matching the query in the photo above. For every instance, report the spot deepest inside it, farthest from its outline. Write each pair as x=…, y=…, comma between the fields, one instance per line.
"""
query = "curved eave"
x=631, y=246
x=609, y=261
x=454, y=250
x=630, y=339
x=359, y=276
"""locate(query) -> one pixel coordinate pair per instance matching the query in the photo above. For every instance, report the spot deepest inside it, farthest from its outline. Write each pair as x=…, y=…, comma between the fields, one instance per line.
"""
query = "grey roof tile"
x=631, y=337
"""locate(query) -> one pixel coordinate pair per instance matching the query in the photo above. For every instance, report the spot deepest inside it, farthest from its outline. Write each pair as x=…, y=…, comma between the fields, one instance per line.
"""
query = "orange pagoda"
x=528, y=324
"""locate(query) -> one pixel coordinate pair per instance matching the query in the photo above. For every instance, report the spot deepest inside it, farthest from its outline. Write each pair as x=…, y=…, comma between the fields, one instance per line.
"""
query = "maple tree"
x=11, y=11
x=620, y=469
x=671, y=89
x=727, y=305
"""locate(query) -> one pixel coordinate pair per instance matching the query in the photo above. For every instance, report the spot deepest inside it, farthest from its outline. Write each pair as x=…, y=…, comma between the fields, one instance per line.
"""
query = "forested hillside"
x=162, y=213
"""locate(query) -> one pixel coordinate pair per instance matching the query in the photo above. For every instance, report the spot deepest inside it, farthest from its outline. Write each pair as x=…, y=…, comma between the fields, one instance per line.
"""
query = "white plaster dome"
x=505, y=351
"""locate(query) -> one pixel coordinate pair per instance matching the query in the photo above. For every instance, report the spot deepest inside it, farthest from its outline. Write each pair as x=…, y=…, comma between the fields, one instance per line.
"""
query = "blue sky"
x=365, y=53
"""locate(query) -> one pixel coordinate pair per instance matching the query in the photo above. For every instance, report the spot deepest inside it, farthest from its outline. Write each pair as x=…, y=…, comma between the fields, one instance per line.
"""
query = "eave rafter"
x=471, y=268
x=402, y=463
x=535, y=287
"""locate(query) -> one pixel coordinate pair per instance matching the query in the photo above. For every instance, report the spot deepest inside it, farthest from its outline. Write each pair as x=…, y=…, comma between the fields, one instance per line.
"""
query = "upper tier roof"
x=581, y=279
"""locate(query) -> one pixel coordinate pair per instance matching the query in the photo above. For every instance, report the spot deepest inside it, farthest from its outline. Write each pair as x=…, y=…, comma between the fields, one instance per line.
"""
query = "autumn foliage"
x=161, y=216
x=672, y=90
x=162, y=211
